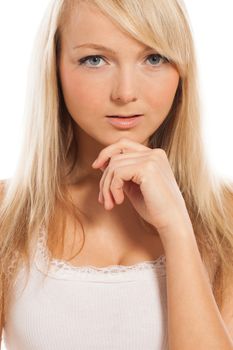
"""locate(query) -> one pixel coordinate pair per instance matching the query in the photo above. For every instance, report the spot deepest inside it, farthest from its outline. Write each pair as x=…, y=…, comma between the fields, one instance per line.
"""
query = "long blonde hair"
x=48, y=154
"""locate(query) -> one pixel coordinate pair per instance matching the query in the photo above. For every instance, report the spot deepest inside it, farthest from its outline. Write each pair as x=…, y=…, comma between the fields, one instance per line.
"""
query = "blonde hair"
x=37, y=190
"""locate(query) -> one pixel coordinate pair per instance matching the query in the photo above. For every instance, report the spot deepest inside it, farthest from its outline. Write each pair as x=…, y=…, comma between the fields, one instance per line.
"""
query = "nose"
x=125, y=89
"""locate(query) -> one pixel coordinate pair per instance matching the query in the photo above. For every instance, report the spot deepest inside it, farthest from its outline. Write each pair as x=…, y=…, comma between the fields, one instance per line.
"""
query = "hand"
x=145, y=176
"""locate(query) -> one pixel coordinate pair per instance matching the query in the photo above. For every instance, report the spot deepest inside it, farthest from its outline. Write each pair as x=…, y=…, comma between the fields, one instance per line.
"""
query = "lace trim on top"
x=63, y=269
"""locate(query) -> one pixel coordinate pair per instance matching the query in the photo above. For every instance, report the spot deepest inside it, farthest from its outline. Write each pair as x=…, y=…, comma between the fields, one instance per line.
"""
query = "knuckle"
x=150, y=164
x=113, y=158
x=111, y=168
x=159, y=152
x=115, y=184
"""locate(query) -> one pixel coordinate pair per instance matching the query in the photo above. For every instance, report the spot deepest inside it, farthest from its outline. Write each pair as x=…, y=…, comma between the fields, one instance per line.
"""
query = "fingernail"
x=95, y=162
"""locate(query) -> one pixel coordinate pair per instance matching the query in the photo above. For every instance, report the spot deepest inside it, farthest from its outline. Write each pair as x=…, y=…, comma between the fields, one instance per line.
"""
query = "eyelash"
x=83, y=60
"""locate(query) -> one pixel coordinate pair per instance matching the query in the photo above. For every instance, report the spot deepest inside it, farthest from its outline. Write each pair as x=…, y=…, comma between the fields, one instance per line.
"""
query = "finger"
x=107, y=195
x=116, y=188
x=122, y=174
x=126, y=144
x=120, y=160
x=105, y=192
x=117, y=157
x=101, y=197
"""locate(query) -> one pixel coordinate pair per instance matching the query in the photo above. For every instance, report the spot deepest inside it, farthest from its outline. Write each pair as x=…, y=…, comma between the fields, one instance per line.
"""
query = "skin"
x=127, y=82
x=126, y=85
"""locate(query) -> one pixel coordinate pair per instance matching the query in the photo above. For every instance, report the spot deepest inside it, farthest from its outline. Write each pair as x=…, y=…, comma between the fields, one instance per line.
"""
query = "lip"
x=125, y=122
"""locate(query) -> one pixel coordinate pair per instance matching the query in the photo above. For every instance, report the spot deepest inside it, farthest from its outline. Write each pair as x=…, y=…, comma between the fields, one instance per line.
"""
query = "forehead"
x=87, y=17
x=86, y=23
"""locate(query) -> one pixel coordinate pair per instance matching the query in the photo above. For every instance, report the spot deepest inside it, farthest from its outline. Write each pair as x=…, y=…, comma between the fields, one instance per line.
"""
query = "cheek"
x=162, y=94
x=80, y=94
x=77, y=93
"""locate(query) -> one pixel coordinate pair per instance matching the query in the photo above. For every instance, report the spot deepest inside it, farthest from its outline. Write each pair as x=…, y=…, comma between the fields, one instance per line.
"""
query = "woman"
x=134, y=250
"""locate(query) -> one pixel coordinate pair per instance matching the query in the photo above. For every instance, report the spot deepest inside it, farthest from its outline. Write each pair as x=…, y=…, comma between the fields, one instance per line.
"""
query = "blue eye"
x=83, y=60
x=159, y=57
x=95, y=58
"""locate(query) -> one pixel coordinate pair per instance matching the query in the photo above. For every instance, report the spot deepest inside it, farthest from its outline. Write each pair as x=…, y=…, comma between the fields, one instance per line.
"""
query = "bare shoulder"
x=227, y=296
x=227, y=303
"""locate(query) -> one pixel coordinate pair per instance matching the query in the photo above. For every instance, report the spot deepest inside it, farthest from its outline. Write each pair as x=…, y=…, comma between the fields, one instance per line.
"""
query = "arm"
x=194, y=320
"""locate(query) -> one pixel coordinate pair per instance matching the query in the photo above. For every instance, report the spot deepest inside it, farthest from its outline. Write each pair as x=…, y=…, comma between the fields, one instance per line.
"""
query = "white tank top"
x=88, y=308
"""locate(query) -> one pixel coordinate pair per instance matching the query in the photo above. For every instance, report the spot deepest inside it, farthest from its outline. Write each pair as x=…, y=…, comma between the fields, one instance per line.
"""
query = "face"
x=128, y=81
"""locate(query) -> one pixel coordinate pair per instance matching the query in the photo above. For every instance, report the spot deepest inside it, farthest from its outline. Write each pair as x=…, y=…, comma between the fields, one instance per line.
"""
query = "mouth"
x=125, y=122
x=124, y=116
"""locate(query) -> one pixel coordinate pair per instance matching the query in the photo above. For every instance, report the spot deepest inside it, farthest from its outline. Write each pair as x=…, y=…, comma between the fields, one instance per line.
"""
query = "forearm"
x=194, y=320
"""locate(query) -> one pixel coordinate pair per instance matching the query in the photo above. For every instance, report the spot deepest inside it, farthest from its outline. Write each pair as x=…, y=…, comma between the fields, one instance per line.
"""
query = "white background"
x=212, y=26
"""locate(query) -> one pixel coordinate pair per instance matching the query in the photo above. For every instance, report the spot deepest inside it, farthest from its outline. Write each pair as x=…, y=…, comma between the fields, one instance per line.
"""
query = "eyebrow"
x=104, y=48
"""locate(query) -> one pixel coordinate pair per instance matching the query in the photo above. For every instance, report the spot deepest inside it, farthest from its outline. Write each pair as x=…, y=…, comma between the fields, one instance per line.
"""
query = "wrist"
x=172, y=235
